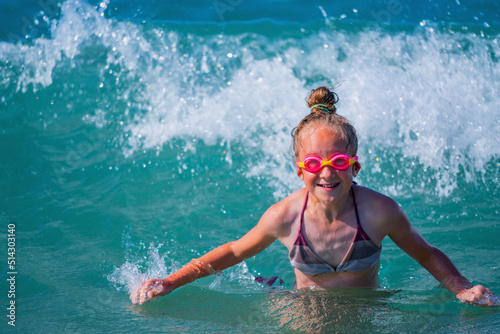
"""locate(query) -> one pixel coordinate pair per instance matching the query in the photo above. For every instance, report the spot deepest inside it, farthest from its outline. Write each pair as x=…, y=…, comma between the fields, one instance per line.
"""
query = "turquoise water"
x=138, y=135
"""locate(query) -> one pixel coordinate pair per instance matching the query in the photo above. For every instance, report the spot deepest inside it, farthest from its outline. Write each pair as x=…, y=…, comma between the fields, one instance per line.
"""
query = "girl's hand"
x=150, y=289
x=480, y=296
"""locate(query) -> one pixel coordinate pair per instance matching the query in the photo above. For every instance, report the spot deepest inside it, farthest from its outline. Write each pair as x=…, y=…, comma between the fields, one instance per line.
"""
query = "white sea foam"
x=133, y=272
x=429, y=95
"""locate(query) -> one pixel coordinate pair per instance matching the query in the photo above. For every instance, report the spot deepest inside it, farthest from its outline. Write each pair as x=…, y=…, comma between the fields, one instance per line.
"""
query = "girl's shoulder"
x=284, y=213
x=379, y=211
x=291, y=206
x=370, y=198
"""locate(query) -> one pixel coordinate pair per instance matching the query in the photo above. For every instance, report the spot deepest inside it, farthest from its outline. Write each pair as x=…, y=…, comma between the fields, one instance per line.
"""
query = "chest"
x=331, y=241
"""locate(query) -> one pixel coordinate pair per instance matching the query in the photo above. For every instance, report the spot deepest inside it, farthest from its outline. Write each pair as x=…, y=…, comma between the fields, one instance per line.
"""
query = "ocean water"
x=137, y=135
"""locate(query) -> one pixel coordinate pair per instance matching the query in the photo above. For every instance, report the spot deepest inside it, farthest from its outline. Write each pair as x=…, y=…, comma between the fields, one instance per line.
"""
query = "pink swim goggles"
x=313, y=163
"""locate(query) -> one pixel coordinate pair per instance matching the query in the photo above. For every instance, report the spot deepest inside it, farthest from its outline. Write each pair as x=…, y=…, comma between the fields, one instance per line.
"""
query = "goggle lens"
x=341, y=162
x=312, y=164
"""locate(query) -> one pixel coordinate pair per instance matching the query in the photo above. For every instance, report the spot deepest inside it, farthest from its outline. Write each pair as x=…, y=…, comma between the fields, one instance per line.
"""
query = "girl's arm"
x=218, y=259
x=406, y=237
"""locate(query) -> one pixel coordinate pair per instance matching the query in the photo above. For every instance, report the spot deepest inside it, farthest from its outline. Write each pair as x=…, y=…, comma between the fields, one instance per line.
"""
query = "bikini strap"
x=355, y=206
x=302, y=214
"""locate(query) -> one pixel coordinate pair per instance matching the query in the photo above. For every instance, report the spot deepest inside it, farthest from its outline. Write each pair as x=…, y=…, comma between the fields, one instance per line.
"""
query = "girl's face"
x=328, y=183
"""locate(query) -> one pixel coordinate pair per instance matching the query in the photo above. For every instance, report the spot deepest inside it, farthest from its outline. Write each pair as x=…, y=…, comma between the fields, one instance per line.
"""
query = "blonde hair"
x=322, y=102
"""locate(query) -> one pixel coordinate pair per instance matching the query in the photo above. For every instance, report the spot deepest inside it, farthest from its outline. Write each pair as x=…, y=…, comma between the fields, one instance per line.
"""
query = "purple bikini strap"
x=302, y=214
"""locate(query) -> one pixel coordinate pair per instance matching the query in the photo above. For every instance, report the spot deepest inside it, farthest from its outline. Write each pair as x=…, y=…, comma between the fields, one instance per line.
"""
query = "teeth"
x=328, y=185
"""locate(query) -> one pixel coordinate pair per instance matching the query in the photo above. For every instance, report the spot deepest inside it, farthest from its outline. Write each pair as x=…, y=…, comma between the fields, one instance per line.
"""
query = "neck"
x=334, y=209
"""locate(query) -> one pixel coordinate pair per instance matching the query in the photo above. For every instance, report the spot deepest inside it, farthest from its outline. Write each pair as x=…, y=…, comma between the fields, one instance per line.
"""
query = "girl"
x=332, y=227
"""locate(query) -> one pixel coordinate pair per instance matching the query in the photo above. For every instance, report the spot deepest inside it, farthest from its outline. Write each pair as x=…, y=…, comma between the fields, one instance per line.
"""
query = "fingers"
x=134, y=296
x=479, y=295
x=155, y=290
x=146, y=291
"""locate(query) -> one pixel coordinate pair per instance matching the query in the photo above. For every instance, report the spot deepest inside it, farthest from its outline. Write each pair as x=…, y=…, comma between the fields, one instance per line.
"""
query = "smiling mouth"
x=329, y=185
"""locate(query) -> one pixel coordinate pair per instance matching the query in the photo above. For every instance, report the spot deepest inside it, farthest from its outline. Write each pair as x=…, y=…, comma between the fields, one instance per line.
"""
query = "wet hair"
x=322, y=102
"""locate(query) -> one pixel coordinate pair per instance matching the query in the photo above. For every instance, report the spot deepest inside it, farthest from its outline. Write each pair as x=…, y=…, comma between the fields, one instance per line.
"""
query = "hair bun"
x=322, y=99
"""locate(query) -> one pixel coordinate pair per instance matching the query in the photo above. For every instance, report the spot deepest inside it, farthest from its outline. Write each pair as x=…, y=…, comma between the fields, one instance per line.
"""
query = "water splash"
x=423, y=101
x=135, y=271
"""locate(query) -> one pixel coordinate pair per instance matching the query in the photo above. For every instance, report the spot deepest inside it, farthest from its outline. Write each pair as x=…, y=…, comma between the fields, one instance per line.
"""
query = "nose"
x=327, y=171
